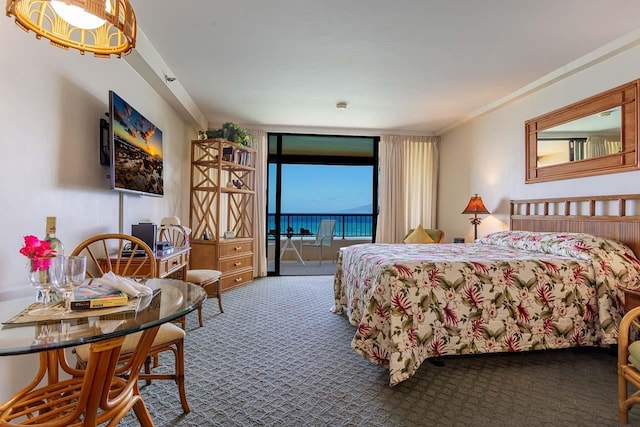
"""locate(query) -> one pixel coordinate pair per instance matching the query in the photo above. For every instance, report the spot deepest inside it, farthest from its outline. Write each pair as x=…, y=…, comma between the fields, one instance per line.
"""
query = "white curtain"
x=260, y=204
x=602, y=145
x=408, y=182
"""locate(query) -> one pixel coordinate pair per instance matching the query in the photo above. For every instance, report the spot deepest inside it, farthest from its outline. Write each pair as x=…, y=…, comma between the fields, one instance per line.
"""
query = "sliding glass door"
x=321, y=196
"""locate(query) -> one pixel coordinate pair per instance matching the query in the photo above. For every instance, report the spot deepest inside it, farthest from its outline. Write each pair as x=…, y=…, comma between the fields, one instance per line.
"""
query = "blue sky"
x=322, y=188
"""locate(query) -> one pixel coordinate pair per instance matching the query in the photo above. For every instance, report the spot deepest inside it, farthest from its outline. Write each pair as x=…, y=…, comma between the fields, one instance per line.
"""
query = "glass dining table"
x=103, y=388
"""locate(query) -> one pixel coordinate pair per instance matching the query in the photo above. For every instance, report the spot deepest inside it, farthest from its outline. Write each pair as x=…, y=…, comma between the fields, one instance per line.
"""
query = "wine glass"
x=73, y=271
x=43, y=280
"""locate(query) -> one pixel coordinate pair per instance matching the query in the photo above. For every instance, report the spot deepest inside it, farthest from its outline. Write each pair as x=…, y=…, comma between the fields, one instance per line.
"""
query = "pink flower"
x=38, y=251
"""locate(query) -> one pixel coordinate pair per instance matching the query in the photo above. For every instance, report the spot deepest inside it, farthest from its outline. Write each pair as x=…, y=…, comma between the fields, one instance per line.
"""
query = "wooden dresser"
x=233, y=257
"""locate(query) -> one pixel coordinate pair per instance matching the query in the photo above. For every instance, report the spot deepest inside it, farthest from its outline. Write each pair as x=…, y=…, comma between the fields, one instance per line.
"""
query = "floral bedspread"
x=509, y=291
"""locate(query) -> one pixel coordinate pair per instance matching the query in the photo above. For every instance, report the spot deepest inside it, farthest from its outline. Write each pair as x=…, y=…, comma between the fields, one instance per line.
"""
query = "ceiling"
x=412, y=66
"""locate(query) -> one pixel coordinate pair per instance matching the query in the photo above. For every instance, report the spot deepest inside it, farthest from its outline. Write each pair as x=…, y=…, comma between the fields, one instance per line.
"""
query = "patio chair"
x=324, y=237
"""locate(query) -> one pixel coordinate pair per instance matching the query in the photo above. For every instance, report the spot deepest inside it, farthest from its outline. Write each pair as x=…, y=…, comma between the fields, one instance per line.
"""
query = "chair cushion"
x=203, y=276
x=634, y=354
x=168, y=332
x=419, y=235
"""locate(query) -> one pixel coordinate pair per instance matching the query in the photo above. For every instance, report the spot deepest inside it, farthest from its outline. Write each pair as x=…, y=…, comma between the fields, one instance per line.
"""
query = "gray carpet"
x=278, y=357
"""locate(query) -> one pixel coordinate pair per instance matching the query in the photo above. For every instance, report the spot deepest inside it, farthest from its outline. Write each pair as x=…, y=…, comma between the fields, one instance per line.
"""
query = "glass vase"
x=41, y=280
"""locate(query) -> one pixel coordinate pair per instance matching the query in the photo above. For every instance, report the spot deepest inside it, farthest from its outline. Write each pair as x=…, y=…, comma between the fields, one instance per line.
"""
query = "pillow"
x=419, y=235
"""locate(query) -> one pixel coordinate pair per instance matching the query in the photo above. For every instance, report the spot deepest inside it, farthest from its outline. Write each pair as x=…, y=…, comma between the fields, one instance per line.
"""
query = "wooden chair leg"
x=200, y=316
x=219, y=293
x=147, y=366
x=179, y=357
x=142, y=414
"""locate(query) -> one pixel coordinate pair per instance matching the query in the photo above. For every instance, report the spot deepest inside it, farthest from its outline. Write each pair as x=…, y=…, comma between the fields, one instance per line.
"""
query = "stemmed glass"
x=43, y=280
x=72, y=274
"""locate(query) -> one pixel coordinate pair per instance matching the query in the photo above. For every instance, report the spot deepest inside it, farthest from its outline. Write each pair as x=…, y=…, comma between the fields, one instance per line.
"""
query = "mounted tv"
x=135, y=150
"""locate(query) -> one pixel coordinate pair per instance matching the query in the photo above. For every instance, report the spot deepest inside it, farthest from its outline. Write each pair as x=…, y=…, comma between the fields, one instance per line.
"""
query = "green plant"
x=231, y=132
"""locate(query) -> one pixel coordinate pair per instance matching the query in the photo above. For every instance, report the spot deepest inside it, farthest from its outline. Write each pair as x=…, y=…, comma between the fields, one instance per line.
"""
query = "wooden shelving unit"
x=222, y=200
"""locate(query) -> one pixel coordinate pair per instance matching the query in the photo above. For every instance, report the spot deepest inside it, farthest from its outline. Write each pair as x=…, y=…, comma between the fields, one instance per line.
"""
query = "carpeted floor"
x=278, y=357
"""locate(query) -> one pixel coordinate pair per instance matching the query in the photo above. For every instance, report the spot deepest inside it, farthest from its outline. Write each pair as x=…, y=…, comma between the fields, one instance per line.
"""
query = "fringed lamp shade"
x=475, y=207
x=102, y=27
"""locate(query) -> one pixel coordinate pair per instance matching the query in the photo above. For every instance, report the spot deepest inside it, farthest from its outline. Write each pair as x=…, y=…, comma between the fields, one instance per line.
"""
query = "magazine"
x=97, y=295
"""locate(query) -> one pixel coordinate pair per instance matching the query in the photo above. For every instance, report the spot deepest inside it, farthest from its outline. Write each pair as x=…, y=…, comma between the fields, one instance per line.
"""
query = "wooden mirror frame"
x=625, y=96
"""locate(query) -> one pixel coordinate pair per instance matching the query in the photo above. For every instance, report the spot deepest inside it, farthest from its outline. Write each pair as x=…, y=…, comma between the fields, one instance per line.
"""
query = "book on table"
x=97, y=295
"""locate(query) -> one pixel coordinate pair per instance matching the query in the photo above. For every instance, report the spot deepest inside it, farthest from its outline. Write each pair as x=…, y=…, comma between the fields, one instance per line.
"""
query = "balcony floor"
x=295, y=268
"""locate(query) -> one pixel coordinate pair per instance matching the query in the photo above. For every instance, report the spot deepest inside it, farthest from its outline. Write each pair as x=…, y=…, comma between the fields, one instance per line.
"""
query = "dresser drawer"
x=172, y=263
x=233, y=264
x=231, y=248
x=232, y=279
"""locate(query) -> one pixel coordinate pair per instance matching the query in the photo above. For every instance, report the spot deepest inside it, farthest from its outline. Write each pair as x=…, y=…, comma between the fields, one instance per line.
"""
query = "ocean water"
x=347, y=225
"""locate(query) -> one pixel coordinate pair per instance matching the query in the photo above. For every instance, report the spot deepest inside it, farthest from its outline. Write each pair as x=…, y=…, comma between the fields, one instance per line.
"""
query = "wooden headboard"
x=612, y=217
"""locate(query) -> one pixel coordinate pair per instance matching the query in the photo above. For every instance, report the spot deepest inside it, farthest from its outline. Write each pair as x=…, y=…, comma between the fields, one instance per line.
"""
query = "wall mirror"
x=594, y=136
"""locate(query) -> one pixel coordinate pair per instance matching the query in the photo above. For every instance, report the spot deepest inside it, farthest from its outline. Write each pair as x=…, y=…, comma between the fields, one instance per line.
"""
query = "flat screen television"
x=135, y=145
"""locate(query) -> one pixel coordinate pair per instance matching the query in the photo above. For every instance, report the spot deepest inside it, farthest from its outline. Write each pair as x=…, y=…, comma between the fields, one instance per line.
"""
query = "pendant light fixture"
x=102, y=27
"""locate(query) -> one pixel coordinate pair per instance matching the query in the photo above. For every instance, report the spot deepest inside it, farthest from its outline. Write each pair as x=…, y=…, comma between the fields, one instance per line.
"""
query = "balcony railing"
x=347, y=225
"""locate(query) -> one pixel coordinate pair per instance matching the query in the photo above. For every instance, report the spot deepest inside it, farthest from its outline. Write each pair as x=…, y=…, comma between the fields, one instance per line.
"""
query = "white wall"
x=50, y=105
x=486, y=155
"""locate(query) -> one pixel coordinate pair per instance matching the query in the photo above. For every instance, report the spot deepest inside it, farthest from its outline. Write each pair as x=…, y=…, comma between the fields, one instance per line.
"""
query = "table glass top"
x=172, y=300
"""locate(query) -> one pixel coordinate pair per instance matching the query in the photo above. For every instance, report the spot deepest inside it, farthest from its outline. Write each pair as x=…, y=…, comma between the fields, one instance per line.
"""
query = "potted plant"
x=231, y=132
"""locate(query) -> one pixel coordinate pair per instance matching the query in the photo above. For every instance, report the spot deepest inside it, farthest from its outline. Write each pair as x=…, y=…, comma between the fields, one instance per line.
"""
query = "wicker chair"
x=139, y=265
x=100, y=393
x=172, y=231
x=628, y=363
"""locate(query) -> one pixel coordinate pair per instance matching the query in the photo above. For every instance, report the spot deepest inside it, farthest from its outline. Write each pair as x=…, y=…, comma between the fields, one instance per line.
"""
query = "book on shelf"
x=97, y=295
x=227, y=154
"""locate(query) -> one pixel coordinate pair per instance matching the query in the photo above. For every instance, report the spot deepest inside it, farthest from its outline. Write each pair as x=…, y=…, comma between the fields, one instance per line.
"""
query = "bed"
x=553, y=281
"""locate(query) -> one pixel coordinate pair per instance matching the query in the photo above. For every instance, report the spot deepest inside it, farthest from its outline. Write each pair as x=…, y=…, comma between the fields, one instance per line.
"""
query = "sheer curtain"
x=260, y=203
x=408, y=181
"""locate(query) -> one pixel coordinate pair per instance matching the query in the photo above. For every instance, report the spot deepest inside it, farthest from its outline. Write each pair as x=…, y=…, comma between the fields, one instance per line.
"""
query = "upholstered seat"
x=169, y=338
x=210, y=281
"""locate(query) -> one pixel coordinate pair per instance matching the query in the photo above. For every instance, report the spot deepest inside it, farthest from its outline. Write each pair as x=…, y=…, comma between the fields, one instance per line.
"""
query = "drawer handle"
x=236, y=264
x=238, y=279
x=237, y=248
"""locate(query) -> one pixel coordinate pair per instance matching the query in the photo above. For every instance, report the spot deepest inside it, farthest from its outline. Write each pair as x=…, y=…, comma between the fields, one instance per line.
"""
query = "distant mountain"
x=366, y=209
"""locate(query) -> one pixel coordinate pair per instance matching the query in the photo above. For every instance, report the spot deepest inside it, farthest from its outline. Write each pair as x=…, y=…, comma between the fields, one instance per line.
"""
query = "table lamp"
x=475, y=207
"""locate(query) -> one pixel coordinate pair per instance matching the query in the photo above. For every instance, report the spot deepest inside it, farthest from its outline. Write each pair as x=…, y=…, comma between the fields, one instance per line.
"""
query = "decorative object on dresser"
x=475, y=207
x=217, y=208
